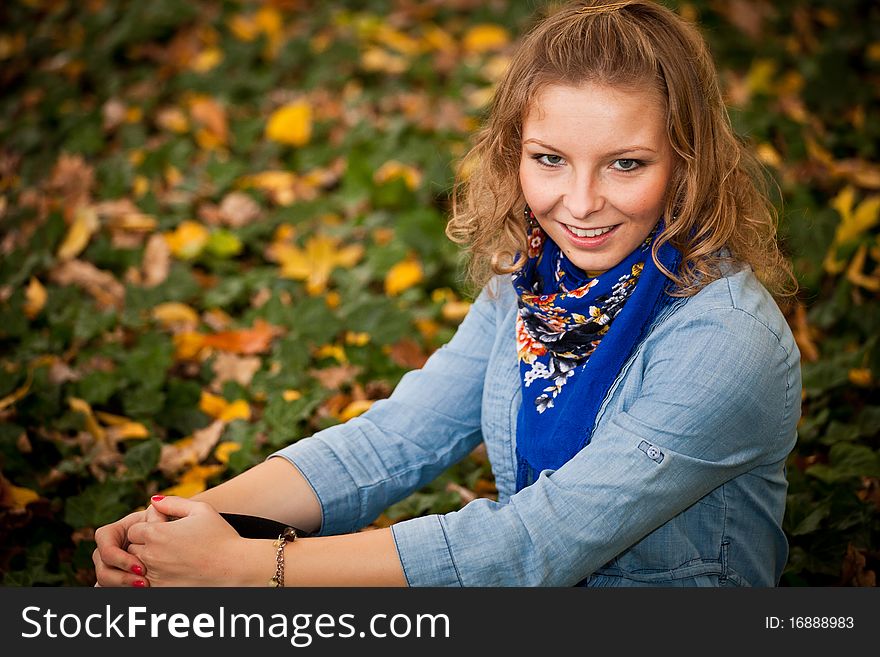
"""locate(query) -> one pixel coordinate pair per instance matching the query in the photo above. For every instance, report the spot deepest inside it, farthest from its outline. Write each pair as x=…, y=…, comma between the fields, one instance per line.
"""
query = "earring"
x=531, y=222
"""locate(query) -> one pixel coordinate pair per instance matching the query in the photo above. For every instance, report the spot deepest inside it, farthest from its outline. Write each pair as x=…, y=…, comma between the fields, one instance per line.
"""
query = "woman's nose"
x=583, y=198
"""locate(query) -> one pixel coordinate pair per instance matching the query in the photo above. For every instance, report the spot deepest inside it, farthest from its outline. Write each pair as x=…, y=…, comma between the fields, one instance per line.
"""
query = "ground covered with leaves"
x=222, y=229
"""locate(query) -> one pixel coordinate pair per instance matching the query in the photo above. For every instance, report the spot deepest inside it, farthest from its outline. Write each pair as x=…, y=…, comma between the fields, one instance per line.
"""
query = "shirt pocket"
x=692, y=544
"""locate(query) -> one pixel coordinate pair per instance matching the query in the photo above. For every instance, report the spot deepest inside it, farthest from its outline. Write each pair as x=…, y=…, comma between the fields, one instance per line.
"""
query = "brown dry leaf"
x=853, y=572
x=803, y=334
x=238, y=209
x=333, y=378
x=229, y=367
x=211, y=115
x=407, y=353
x=465, y=494
x=102, y=285
x=72, y=178
x=156, y=263
x=190, y=451
x=255, y=340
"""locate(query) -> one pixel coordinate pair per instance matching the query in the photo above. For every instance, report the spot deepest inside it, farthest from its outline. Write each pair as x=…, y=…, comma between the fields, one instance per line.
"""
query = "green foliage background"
x=88, y=81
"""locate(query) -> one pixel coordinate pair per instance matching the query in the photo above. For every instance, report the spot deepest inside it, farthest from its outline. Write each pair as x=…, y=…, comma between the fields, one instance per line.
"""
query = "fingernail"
x=157, y=498
x=137, y=570
x=139, y=583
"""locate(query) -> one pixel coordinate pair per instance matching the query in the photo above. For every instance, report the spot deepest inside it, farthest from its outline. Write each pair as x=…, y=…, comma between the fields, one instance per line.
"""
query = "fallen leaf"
x=84, y=225
x=484, y=38
x=191, y=450
x=15, y=498
x=394, y=170
x=156, y=263
x=211, y=115
x=102, y=285
x=290, y=395
x=224, y=450
x=188, y=240
x=333, y=378
x=407, y=353
x=91, y=423
x=230, y=367
x=35, y=298
x=403, y=276
x=255, y=340
x=175, y=315
x=291, y=124
x=220, y=409
x=355, y=408
x=238, y=209
x=315, y=261
x=455, y=311
x=73, y=179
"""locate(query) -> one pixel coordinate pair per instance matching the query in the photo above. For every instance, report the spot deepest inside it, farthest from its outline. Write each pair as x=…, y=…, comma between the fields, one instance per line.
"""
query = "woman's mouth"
x=589, y=237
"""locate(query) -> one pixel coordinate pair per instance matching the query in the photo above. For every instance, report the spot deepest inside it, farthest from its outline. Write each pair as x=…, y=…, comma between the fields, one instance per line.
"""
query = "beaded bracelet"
x=288, y=535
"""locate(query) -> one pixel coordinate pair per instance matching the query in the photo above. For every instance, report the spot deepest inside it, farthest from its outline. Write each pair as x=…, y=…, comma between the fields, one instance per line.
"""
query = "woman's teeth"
x=589, y=232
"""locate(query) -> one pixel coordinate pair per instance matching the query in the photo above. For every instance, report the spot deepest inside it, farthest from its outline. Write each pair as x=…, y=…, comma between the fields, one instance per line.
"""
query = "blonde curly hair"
x=717, y=207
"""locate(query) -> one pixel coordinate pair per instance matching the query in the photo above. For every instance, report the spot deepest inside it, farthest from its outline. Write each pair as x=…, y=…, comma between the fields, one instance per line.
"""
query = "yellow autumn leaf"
x=175, y=314
x=172, y=119
x=291, y=124
x=355, y=408
x=220, y=409
x=224, y=450
x=91, y=423
x=854, y=220
x=313, y=263
x=279, y=184
x=403, y=276
x=186, y=489
x=392, y=170
x=15, y=497
x=127, y=431
x=188, y=240
x=454, y=311
x=290, y=395
x=189, y=345
x=84, y=225
x=334, y=351
x=206, y=60
x=379, y=60
x=860, y=376
x=356, y=339
x=34, y=298
x=484, y=38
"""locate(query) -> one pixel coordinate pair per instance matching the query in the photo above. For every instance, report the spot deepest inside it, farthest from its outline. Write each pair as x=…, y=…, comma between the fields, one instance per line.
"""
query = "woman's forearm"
x=273, y=489
x=367, y=558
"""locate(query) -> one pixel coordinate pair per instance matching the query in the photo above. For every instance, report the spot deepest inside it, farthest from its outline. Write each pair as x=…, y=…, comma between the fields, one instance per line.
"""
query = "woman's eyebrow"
x=620, y=151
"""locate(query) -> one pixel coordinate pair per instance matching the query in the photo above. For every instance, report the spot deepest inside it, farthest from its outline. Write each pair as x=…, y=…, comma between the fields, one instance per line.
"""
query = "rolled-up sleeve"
x=431, y=421
x=716, y=400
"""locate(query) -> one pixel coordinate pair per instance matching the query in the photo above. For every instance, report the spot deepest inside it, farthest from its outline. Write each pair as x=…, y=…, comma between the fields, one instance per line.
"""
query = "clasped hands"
x=147, y=548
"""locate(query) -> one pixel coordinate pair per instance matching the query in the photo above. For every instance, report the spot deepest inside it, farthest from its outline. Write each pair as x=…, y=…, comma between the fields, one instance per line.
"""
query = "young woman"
x=635, y=383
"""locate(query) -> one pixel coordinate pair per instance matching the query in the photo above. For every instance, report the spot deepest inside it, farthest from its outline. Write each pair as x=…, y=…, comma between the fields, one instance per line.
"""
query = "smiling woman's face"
x=596, y=164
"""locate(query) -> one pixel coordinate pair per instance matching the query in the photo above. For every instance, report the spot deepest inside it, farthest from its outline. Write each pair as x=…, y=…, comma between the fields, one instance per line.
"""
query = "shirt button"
x=652, y=452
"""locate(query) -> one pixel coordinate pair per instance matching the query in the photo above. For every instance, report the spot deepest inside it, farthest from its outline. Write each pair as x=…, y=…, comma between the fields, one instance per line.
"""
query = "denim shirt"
x=682, y=484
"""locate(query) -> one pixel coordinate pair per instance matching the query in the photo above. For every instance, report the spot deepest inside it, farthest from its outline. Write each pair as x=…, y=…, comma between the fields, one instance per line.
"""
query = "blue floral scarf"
x=574, y=332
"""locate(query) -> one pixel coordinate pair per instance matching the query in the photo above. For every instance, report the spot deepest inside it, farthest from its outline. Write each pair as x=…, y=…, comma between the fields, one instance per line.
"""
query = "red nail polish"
x=137, y=570
x=139, y=583
x=157, y=498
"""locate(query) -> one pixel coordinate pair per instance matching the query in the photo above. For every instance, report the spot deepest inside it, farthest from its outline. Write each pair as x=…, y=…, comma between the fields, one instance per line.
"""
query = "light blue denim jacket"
x=682, y=484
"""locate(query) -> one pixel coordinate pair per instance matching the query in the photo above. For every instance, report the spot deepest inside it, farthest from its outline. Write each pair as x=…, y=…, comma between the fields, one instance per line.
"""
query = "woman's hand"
x=199, y=548
x=114, y=566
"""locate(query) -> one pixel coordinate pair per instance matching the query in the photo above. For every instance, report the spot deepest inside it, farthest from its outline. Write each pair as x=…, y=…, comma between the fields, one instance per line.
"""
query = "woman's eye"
x=550, y=160
x=626, y=165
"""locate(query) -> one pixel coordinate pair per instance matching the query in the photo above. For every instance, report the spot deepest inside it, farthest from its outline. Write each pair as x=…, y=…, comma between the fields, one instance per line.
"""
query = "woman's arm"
x=200, y=549
x=273, y=489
